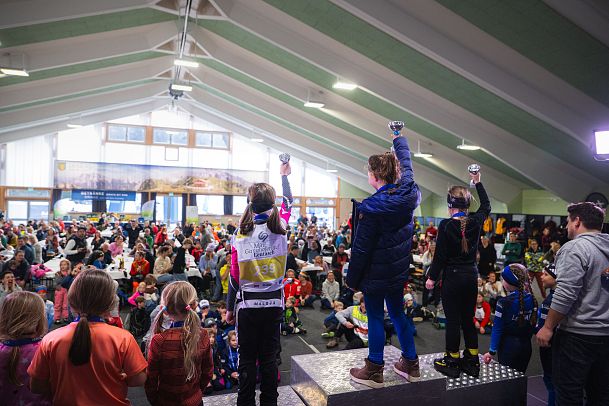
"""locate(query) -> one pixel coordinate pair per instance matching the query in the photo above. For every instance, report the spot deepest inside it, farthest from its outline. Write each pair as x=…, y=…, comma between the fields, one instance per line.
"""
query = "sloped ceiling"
x=527, y=80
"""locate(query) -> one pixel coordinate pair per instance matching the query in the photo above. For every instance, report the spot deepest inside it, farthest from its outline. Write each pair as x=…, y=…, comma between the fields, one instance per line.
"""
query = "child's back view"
x=180, y=363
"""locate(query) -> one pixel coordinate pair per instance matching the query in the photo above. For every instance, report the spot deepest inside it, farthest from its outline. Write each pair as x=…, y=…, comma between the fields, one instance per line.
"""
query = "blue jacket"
x=383, y=227
x=506, y=321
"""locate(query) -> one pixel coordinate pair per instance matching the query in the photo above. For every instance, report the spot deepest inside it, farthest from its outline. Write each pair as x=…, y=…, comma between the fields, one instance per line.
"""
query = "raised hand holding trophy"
x=473, y=169
x=284, y=158
x=396, y=127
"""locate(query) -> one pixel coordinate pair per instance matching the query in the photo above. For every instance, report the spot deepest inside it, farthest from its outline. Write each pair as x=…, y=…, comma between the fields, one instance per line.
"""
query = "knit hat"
x=550, y=269
x=408, y=297
x=41, y=288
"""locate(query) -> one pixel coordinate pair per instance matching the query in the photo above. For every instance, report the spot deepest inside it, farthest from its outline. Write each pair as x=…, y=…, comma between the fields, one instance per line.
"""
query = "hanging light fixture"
x=467, y=147
x=420, y=154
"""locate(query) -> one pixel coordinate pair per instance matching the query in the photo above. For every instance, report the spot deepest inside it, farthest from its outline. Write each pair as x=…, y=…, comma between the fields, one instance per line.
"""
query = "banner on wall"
x=192, y=214
x=87, y=194
x=149, y=178
x=148, y=210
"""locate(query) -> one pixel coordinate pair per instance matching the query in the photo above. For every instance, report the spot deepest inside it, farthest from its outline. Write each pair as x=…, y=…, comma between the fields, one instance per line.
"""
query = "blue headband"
x=509, y=276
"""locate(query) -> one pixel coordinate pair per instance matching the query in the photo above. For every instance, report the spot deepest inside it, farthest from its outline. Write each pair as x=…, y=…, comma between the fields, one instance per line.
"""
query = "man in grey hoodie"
x=580, y=310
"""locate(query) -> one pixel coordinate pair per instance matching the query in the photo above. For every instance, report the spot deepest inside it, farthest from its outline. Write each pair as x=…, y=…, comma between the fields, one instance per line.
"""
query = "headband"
x=261, y=207
x=551, y=270
x=509, y=276
x=457, y=202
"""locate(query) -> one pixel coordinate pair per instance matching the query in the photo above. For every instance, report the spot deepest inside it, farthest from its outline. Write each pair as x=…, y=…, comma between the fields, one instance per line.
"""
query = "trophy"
x=396, y=127
x=473, y=169
x=284, y=158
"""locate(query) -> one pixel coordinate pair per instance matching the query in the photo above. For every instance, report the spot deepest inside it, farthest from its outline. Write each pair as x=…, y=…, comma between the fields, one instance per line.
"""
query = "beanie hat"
x=550, y=269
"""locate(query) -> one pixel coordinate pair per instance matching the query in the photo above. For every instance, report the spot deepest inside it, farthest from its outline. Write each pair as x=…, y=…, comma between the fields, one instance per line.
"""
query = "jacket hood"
x=600, y=241
x=391, y=201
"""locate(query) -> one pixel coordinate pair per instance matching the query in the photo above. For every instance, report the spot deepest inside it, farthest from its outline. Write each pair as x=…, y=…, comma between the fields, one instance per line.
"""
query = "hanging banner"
x=148, y=178
x=148, y=210
x=88, y=194
x=61, y=208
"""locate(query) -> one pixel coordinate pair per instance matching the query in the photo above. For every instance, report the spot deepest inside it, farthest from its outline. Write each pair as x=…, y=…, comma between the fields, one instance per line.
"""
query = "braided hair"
x=524, y=284
x=464, y=243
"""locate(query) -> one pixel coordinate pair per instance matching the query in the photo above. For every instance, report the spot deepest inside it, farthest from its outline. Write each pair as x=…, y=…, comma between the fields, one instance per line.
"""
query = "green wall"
x=347, y=190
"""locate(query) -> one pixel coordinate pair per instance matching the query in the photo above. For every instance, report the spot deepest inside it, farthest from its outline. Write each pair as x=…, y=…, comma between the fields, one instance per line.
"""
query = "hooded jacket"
x=383, y=227
x=582, y=285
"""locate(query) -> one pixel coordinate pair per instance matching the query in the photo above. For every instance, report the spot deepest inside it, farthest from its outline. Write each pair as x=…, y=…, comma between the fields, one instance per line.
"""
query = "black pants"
x=580, y=362
x=515, y=352
x=459, y=291
x=258, y=335
x=353, y=340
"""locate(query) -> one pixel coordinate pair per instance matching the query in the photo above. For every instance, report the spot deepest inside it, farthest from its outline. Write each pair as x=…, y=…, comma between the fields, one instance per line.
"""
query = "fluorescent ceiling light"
x=467, y=147
x=69, y=125
x=601, y=139
x=256, y=140
x=184, y=88
x=423, y=155
x=314, y=104
x=344, y=85
x=331, y=170
x=14, y=72
x=185, y=62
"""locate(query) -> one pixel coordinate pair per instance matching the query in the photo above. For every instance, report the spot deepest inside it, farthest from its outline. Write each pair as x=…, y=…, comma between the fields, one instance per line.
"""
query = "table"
x=7, y=254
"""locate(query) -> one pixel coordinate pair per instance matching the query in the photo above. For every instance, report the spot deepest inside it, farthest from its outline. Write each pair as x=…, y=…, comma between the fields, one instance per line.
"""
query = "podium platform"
x=287, y=397
x=323, y=380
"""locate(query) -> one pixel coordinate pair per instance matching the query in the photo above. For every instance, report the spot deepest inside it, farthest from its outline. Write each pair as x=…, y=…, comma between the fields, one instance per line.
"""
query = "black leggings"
x=459, y=291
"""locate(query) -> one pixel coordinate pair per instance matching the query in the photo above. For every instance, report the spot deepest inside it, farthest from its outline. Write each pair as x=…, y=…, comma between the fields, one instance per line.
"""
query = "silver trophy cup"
x=473, y=169
x=396, y=127
x=284, y=158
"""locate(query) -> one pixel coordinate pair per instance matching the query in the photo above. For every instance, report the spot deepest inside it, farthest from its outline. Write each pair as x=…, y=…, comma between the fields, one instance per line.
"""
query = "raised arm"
x=402, y=152
x=286, y=206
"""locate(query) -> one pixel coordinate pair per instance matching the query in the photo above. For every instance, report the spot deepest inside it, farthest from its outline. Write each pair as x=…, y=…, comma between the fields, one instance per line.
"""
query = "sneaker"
x=448, y=366
x=417, y=319
x=470, y=364
x=327, y=334
x=370, y=375
x=332, y=343
x=58, y=321
x=408, y=369
x=284, y=333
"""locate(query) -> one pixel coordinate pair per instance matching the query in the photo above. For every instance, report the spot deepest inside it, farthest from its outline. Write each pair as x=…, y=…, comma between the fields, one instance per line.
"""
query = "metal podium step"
x=323, y=380
x=287, y=397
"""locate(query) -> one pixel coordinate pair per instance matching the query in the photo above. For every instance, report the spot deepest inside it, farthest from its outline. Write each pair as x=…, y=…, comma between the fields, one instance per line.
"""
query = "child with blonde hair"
x=22, y=325
x=180, y=363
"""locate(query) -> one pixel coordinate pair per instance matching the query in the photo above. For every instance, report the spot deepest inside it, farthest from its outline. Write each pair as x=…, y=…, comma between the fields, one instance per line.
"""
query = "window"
x=203, y=140
x=136, y=134
x=216, y=140
x=173, y=137
x=20, y=211
x=122, y=133
x=210, y=204
x=239, y=204
x=117, y=133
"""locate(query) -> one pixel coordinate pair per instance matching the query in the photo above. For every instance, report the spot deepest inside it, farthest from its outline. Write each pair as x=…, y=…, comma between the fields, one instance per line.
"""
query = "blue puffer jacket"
x=383, y=227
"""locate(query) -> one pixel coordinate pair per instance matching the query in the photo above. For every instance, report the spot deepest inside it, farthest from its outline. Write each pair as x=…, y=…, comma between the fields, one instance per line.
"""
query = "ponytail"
x=464, y=243
x=80, y=348
x=246, y=224
x=12, y=366
x=274, y=222
x=191, y=333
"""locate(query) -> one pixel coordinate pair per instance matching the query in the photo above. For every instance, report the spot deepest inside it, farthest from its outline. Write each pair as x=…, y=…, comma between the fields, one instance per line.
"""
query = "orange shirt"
x=96, y=383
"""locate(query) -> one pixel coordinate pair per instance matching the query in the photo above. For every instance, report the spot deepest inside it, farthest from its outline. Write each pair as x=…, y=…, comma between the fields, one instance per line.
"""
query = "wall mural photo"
x=149, y=178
